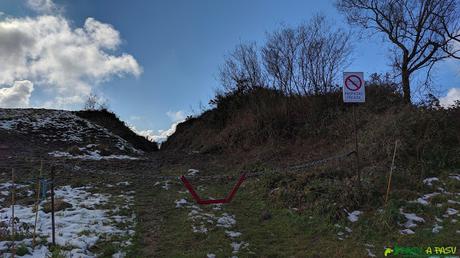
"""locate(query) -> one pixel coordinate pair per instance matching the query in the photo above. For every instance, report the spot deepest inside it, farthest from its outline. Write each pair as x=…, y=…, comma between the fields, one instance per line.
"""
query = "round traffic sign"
x=353, y=82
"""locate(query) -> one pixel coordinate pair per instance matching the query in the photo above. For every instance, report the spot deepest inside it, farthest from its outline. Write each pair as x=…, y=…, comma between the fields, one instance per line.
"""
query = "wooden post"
x=37, y=206
x=391, y=173
x=358, y=171
x=13, y=202
x=52, y=208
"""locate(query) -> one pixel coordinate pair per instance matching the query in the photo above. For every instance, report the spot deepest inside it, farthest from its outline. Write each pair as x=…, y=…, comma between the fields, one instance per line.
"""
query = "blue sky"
x=177, y=47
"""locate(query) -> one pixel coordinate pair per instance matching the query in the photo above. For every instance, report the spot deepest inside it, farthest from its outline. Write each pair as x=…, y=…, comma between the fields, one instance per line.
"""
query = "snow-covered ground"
x=91, y=155
x=58, y=125
x=354, y=215
x=211, y=218
x=85, y=223
x=449, y=207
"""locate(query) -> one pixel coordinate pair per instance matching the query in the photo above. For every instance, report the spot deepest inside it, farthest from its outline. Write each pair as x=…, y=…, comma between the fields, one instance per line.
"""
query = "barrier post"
x=391, y=173
x=358, y=171
x=13, y=202
x=52, y=208
x=37, y=204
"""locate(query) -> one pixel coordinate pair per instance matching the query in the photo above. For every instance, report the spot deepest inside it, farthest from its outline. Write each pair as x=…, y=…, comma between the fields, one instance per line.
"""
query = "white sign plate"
x=353, y=87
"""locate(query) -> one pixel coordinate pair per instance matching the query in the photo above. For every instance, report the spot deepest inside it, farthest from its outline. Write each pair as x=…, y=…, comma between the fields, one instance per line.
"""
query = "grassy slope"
x=306, y=210
x=289, y=233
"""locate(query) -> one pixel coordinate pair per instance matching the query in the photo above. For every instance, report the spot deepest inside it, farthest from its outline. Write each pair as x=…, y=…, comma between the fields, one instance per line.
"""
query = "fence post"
x=391, y=173
x=52, y=208
x=358, y=171
x=13, y=202
x=37, y=206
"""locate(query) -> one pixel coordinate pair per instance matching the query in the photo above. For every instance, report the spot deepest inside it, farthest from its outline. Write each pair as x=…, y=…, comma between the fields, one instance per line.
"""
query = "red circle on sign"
x=352, y=85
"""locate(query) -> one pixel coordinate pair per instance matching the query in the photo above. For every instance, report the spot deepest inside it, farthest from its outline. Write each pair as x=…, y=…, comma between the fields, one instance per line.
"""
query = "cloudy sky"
x=153, y=62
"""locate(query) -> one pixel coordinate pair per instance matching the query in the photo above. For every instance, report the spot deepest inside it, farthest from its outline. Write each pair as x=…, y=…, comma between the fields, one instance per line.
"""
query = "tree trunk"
x=406, y=85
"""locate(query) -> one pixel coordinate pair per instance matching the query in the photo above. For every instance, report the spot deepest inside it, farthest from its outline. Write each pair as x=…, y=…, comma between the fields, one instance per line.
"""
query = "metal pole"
x=13, y=201
x=37, y=207
x=52, y=207
x=358, y=171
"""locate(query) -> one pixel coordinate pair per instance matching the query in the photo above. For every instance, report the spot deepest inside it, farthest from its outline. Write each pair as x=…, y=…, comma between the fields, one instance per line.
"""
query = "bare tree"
x=94, y=102
x=91, y=102
x=241, y=69
x=421, y=31
x=279, y=58
x=323, y=53
x=295, y=60
x=306, y=59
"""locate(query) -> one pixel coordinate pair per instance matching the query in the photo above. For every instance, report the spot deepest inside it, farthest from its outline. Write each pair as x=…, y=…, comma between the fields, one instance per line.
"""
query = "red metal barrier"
x=211, y=201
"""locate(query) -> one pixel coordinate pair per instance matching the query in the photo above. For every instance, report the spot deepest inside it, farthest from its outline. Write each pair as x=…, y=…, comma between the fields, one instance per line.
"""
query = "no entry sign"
x=353, y=87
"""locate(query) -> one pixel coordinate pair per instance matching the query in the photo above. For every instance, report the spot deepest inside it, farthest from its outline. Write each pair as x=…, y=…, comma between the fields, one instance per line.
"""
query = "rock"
x=59, y=205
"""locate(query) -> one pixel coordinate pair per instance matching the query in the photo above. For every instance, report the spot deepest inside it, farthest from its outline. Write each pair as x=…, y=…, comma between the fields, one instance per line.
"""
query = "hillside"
x=301, y=188
x=306, y=188
x=263, y=125
x=89, y=134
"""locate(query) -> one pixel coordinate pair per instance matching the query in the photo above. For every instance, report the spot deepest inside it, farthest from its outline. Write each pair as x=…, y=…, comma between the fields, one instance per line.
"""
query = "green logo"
x=421, y=252
x=388, y=251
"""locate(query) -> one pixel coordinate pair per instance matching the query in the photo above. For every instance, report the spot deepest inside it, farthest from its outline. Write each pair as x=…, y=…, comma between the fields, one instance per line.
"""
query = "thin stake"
x=52, y=208
x=36, y=204
x=13, y=201
x=358, y=171
x=391, y=173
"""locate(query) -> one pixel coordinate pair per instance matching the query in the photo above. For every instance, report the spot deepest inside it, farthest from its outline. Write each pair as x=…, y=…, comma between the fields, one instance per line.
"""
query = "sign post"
x=354, y=92
x=53, y=228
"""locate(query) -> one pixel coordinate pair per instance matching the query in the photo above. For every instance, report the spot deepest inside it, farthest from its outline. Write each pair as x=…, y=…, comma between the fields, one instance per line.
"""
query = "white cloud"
x=176, y=116
x=158, y=136
x=161, y=135
x=452, y=95
x=42, y=6
x=102, y=34
x=64, y=62
x=17, y=95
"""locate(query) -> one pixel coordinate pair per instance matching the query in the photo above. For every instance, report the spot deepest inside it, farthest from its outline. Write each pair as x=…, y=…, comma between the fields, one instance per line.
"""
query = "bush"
x=265, y=125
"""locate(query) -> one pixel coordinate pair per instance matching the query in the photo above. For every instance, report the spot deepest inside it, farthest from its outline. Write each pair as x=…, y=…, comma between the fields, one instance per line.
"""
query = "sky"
x=153, y=62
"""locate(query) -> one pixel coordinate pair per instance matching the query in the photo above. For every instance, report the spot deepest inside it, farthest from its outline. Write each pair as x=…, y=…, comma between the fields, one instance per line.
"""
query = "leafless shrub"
x=241, y=70
x=298, y=60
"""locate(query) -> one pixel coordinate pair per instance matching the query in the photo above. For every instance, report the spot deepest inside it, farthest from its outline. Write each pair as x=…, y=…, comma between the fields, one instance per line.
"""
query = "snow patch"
x=412, y=218
x=226, y=221
x=232, y=234
x=424, y=200
x=429, y=181
x=79, y=227
x=203, y=222
x=451, y=211
x=436, y=228
x=406, y=232
x=180, y=203
x=237, y=246
x=65, y=125
x=192, y=172
x=455, y=177
x=91, y=155
x=354, y=215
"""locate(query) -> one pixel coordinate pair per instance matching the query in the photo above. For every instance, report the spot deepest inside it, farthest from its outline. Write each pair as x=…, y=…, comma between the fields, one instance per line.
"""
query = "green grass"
x=291, y=233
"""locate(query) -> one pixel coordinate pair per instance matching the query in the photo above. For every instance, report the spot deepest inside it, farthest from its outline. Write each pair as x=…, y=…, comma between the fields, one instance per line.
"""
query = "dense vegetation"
x=265, y=126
